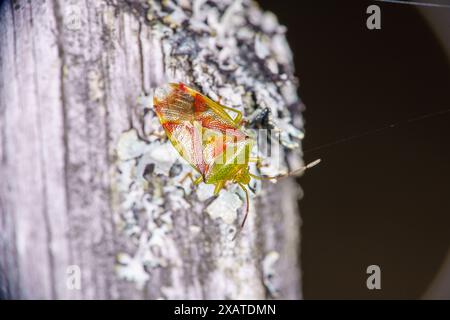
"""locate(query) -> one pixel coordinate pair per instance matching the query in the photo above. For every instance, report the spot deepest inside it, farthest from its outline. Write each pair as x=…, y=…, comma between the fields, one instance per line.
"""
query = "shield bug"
x=208, y=138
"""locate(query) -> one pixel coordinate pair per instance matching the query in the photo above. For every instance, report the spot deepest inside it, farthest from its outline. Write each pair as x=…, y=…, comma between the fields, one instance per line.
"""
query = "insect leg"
x=258, y=161
x=219, y=185
x=247, y=206
x=189, y=175
x=198, y=180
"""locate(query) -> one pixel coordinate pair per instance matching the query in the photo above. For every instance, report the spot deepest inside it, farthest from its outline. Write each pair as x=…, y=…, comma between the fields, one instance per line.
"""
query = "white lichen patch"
x=161, y=154
x=268, y=264
x=176, y=198
x=205, y=191
x=225, y=207
x=144, y=217
x=145, y=101
x=130, y=146
x=132, y=269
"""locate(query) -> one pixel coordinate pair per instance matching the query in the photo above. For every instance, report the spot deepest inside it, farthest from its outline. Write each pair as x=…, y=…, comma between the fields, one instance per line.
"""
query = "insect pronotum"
x=208, y=138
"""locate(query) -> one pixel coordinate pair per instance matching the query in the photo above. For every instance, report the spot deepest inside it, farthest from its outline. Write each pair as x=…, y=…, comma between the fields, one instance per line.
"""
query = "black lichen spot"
x=175, y=170
x=148, y=171
x=262, y=120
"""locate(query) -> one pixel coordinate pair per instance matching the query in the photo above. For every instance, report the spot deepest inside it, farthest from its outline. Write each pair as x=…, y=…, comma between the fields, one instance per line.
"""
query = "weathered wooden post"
x=89, y=188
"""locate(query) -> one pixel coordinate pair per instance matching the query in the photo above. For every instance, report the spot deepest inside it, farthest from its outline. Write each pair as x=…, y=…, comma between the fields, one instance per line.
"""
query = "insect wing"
x=186, y=138
x=197, y=127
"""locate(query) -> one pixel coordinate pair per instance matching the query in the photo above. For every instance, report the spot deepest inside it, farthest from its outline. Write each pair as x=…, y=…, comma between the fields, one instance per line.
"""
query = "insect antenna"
x=379, y=129
x=416, y=3
x=247, y=207
x=289, y=174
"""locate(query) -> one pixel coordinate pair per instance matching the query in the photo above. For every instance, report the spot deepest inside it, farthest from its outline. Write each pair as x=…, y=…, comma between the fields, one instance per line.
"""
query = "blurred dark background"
x=381, y=198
